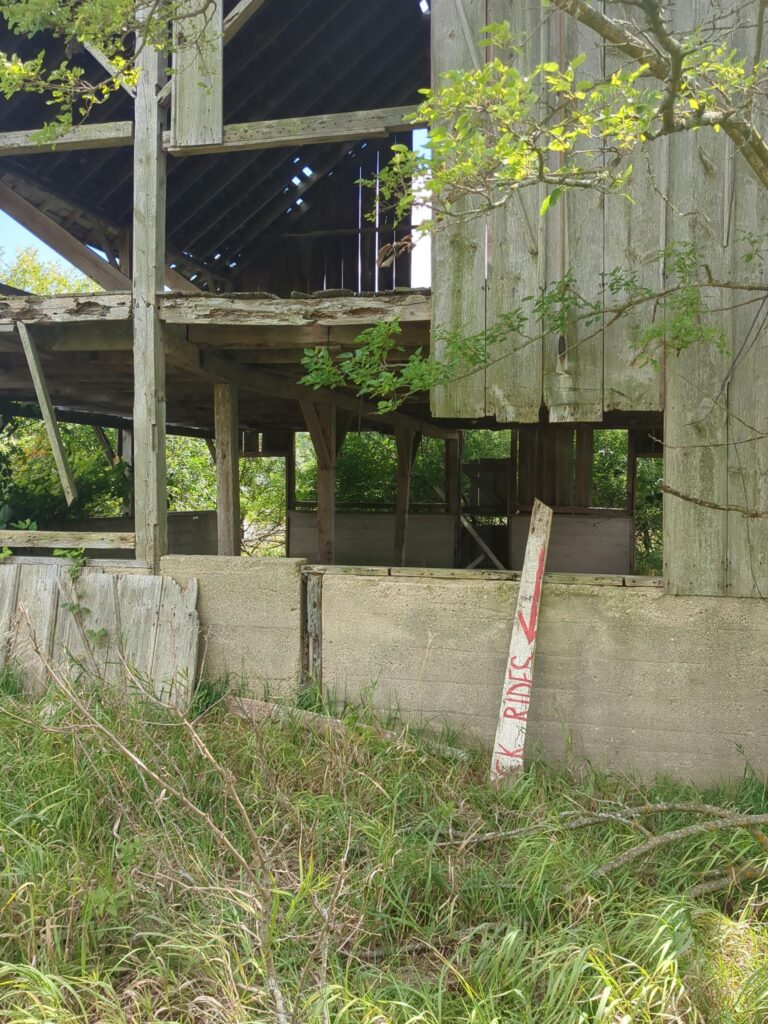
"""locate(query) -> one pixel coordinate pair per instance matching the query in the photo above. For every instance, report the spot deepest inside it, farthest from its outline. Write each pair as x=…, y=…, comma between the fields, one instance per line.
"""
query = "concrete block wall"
x=626, y=677
x=250, y=617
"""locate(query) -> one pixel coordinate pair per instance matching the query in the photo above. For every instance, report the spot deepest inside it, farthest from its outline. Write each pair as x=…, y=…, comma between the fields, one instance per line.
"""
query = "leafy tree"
x=30, y=273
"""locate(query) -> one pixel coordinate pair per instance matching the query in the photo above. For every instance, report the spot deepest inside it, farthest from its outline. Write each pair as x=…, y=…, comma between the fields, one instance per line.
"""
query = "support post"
x=148, y=265
x=290, y=490
x=321, y=424
x=227, y=469
x=453, y=491
x=407, y=442
x=584, y=453
x=513, y=503
x=125, y=452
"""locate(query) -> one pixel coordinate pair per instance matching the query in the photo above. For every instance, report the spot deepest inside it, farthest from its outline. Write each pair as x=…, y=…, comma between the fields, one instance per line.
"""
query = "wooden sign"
x=518, y=678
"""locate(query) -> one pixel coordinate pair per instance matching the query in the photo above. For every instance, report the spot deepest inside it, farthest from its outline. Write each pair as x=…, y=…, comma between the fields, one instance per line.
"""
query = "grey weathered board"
x=197, y=105
x=459, y=249
x=138, y=629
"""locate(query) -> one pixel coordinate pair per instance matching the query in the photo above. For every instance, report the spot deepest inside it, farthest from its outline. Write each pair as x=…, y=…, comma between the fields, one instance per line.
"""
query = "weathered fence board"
x=115, y=627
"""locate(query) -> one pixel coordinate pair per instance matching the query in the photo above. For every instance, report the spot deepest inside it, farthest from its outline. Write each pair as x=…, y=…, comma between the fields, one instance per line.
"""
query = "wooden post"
x=148, y=265
x=125, y=452
x=227, y=468
x=453, y=491
x=290, y=490
x=405, y=443
x=584, y=454
x=321, y=424
x=513, y=503
x=564, y=463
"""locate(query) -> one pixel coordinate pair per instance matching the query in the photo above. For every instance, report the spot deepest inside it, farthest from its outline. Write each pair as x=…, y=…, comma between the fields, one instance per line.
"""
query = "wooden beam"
x=58, y=238
x=109, y=135
x=452, y=463
x=66, y=309
x=109, y=67
x=238, y=17
x=148, y=265
x=404, y=441
x=227, y=451
x=293, y=132
x=49, y=416
x=198, y=75
x=70, y=539
x=321, y=424
x=247, y=310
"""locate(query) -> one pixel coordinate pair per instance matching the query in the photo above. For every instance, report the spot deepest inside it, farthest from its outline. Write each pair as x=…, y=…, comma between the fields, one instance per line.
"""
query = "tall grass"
x=119, y=904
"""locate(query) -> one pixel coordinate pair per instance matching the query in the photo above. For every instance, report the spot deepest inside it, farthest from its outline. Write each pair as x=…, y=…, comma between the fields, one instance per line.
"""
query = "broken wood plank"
x=320, y=129
x=49, y=416
x=509, y=744
x=109, y=135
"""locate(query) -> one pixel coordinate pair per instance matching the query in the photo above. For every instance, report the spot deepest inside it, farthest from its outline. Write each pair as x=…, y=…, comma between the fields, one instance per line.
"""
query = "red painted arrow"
x=529, y=627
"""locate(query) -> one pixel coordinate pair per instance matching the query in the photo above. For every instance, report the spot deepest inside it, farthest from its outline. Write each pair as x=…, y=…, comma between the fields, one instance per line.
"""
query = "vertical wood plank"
x=696, y=415
x=148, y=282
x=198, y=79
x=225, y=407
x=747, y=398
x=527, y=461
x=573, y=361
x=458, y=249
x=514, y=370
x=48, y=413
x=634, y=235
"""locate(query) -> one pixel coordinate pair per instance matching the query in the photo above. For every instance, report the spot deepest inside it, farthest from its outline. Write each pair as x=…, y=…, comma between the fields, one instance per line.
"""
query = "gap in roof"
x=424, y=6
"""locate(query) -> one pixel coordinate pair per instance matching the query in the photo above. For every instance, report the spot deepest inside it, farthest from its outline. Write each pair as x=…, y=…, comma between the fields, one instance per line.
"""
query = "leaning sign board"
x=518, y=678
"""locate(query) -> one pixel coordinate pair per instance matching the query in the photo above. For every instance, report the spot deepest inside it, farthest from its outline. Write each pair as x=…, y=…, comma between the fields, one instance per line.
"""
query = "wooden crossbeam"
x=65, y=539
x=48, y=413
x=109, y=135
x=302, y=131
x=58, y=238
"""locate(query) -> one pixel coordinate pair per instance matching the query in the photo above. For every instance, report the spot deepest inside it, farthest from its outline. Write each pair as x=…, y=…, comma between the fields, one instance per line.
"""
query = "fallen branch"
x=749, y=512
